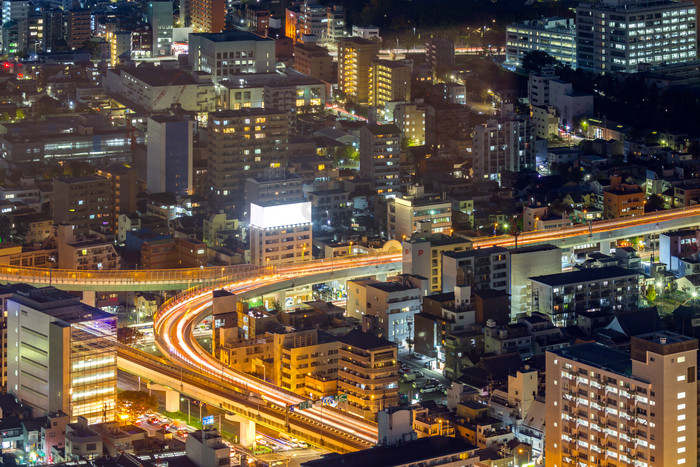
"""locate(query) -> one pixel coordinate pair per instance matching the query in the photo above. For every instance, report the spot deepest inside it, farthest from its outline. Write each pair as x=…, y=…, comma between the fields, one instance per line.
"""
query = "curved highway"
x=173, y=330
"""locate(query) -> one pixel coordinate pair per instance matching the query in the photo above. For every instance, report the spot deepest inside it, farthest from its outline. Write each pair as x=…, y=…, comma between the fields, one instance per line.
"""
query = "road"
x=174, y=323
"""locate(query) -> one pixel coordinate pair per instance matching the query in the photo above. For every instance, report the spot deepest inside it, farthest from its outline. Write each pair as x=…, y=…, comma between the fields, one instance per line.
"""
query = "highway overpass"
x=182, y=279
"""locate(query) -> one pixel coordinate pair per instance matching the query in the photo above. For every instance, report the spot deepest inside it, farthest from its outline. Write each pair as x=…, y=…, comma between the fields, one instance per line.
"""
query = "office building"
x=503, y=144
x=526, y=262
x=335, y=19
x=422, y=256
x=562, y=296
x=484, y=268
x=62, y=355
x=313, y=20
x=231, y=53
x=53, y=29
x=83, y=202
x=280, y=234
x=169, y=154
x=621, y=35
x=242, y=144
x=390, y=82
x=124, y=187
x=393, y=305
x=206, y=16
x=379, y=157
x=355, y=58
x=448, y=128
x=638, y=408
x=77, y=28
x=314, y=60
x=368, y=373
x=160, y=18
x=16, y=12
x=440, y=52
x=554, y=36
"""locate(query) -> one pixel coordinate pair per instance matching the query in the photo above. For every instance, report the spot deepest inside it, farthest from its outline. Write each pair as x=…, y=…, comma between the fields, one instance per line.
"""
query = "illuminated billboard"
x=272, y=217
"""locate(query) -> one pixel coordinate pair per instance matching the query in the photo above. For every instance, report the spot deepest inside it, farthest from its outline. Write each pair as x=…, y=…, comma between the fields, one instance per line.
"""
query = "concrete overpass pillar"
x=381, y=277
x=89, y=297
x=246, y=431
x=281, y=297
x=172, y=397
x=605, y=246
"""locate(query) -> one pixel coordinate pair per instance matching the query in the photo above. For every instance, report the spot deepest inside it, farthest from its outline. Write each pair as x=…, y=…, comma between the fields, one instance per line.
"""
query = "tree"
x=136, y=403
x=535, y=60
x=654, y=203
x=129, y=336
x=651, y=294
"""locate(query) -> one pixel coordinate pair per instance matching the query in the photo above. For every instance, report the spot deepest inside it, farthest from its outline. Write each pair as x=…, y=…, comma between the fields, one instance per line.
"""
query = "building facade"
x=554, y=36
x=355, y=57
x=379, y=157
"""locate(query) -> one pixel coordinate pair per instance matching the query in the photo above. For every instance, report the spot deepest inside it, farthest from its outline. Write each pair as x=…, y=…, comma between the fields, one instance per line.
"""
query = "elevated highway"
x=182, y=279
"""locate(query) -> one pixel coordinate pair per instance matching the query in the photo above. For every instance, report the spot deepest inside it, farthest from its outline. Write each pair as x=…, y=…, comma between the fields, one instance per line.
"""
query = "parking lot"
x=419, y=383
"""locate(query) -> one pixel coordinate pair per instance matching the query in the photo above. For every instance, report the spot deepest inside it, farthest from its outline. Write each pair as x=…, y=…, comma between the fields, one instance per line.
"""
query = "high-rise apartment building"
x=447, y=128
x=440, y=52
x=314, y=60
x=314, y=17
x=124, y=187
x=554, y=36
x=418, y=212
x=390, y=82
x=53, y=28
x=368, y=373
x=503, y=144
x=335, y=19
x=355, y=57
x=231, y=53
x=303, y=355
x=619, y=35
x=608, y=407
x=77, y=28
x=15, y=13
x=83, y=202
x=242, y=144
x=207, y=16
x=160, y=18
x=169, y=154
x=526, y=262
x=62, y=355
x=379, y=157
x=483, y=268
x=274, y=186
x=410, y=119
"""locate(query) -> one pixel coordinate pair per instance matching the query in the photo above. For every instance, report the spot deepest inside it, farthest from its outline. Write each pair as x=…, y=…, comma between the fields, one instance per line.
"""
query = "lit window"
x=681, y=417
x=681, y=359
x=681, y=450
x=681, y=406
x=681, y=428
x=681, y=395
x=681, y=439
x=681, y=378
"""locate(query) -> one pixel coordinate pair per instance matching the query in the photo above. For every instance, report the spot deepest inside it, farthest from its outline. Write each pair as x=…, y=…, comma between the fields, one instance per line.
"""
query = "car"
x=428, y=388
x=419, y=383
x=182, y=433
x=154, y=420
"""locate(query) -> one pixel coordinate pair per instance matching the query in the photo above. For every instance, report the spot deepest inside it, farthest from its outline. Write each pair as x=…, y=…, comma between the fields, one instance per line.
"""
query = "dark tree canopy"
x=129, y=336
x=136, y=403
x=536, y=59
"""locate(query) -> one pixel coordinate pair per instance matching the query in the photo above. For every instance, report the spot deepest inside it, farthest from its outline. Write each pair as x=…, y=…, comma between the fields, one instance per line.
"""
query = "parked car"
x=408, y=377
x=419, y=383
x=428, y=388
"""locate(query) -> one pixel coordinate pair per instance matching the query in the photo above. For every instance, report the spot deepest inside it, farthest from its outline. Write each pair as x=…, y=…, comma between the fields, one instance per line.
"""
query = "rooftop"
x=159, y=76
x=414, y=452
x=365, y=340
x=584, y=275
x=475, y=253
x=230, y=36
x=599, y=356
x=377, y=129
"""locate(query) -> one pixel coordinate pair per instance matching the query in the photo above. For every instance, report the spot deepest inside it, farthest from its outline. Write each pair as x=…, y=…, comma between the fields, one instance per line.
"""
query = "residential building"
x=206, y=448
x=440, y=52
x=313, y=20
x=676, y=246
x=355, y=57
x=156, y=89
x=62, y=355
x=83, y=202
x=227, y=53
x=569, y=104
x=330, y=205
x=17, y=13
x=314, y=60
x=410, y=119
x=280, y=234
x=124, y=187
x=526, y=262
x=84, y=253
x=243, y=144
x=545, y=120
x=393, y=304
x=169, y=154
x=119, y=47
x=160, y=18
x=504, y=144
x=368, y=373
x=619, y=36
x=335, y=19
x=207, y=16
x=82, y=442
x=538, y=86
x=422, y=256
x=379, y=157
x=390, y=81
x=274, y=186
x=485, y=268
x=562, y=296
x=447, y=128
x=554, y=36
x=641, y=406
x=365, y=32
x=418, y=212
x=622, y=199
x=301, y=354
x=173, y=253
